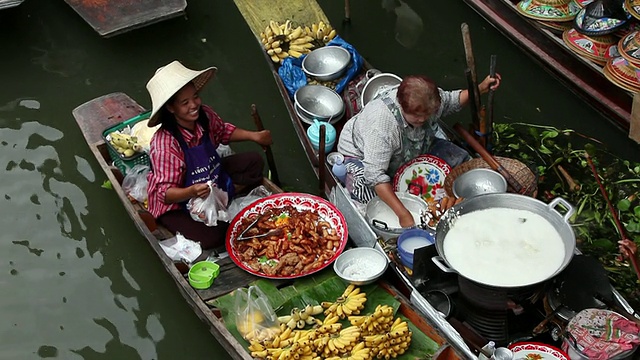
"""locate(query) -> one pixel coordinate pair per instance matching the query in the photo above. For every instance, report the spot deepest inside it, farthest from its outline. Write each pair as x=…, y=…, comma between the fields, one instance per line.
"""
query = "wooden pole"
x=493, y=163
x=471, y=64
x=347, y=12
x=321, y=159
x=475, y=122
x=488, y=131
x=270, y=160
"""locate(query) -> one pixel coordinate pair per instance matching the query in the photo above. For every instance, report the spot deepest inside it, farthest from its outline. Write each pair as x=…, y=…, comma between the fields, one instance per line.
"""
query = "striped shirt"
x=167, y=158
x=374, y=137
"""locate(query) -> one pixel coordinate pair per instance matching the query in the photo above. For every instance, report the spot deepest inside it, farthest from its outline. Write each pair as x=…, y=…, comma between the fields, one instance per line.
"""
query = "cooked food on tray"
x=302, y=243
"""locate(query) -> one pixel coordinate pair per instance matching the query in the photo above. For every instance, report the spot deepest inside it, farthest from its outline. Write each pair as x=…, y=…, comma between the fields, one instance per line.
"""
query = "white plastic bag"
x=135, y=183
x=210, y=209
x=255, y=318
x=180, y=248
x=241, y=202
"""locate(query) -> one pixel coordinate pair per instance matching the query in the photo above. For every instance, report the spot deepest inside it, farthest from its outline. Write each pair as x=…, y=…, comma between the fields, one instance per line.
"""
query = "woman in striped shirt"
x=184, y=157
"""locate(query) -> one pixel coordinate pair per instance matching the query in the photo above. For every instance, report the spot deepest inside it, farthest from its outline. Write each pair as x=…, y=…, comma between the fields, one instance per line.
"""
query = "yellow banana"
x=301, y=40
x=272, y=52
x=321, y=25
x=276, y=44
x=277, y=50
x=296, y=33
x=259, y=354
x=275, y=28
x=351, y=288
x=307, y=31
x=314, y=29
x=297, y=48
x=287, y=28
x=332, y=34
x=320, y=34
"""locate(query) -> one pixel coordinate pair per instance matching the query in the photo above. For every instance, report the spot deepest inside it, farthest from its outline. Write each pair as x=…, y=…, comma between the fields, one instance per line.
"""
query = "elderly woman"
x=183, y=152
x=398, y=125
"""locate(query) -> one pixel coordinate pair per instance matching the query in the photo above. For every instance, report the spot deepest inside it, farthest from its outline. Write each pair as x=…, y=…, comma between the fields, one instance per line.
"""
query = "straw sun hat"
x=168, y=80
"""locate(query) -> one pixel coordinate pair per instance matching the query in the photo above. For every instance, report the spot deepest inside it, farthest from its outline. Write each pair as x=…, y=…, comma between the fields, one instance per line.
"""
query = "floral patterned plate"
x=536, y=351
x=423, y=176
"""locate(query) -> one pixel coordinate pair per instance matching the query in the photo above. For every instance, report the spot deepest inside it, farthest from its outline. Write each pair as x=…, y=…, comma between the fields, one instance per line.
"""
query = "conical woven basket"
x=516, y=168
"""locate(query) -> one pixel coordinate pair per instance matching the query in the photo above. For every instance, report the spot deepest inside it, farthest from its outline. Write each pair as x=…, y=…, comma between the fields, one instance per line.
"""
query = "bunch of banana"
x=377, y=322
x=337, y=343
x=330, y=84
x=125, y=144
x=359, y=352
x=300, y=318
x=349, y=303
x=281, y=41
x=391, y=344
x=288, y=345
x=321, y=31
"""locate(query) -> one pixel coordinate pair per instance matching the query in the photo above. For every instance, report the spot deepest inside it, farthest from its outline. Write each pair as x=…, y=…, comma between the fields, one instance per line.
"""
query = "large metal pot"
x=384, y=221
x=559, y=221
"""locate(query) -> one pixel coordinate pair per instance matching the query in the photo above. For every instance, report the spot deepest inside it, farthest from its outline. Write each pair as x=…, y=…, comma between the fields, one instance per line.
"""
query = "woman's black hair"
x=168, y=119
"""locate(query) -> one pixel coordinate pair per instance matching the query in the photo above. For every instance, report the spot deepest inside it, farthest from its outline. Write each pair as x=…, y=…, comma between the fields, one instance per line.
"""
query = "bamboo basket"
x=516, y=168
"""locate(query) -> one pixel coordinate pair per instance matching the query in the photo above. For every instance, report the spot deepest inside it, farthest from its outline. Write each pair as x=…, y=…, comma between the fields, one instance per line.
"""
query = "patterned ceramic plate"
x=423, y=176
x=536, y=351
x=326, y=210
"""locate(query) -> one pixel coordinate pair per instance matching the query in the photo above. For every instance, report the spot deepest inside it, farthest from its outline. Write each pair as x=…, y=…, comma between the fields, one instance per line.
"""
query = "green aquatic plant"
x=557, y=156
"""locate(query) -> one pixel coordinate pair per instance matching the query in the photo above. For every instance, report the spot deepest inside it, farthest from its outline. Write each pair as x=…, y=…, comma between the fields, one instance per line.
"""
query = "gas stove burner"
x=555, y=305
x=495, y=298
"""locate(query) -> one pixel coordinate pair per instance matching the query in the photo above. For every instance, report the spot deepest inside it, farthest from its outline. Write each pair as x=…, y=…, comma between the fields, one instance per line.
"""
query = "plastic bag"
x=292, y=75
x=135, y=183
x=179, y=248
x=210, y=209
x=241, y=202
x=255, y=318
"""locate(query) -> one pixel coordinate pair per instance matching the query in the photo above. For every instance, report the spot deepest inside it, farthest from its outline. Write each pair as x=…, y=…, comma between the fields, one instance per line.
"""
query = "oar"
x=493, y=163
x=321, y=159
x=474, y=96
x=347, y=12
x=488, y=131
x=270, y=161
x=475, y=117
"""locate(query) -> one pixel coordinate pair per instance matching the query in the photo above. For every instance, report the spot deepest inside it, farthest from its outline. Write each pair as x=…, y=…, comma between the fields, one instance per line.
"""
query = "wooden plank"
x=95, y=116
x=258, y=13
x=634, y=126
x=113, y=17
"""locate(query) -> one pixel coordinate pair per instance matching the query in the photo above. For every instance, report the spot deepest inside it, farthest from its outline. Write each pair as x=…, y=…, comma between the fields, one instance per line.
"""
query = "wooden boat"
x=93, y=117
x=6, y=4
x=582, y=76
x=110, y=18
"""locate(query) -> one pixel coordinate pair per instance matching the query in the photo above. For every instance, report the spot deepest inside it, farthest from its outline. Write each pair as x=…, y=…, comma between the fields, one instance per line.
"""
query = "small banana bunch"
x=377, y=322
x=358, y=352
x=391, y=344
x=288, y=345
x=125, y=144
x=300, y=318
x=321, y=31
x=282, y=40
x=349, y=303
x=337, y=343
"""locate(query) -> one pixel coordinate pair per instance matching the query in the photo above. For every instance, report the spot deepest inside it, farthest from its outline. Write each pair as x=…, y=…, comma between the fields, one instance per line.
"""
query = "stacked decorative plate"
x=598, y=49
x=623, y=73
x=549, y=10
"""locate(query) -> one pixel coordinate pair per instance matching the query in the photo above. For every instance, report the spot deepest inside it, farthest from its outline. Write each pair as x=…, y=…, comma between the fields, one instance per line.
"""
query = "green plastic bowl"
x=202, y=274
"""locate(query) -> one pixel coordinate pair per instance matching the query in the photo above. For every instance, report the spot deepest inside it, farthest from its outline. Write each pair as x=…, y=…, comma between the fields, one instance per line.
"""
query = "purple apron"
x=203, y=164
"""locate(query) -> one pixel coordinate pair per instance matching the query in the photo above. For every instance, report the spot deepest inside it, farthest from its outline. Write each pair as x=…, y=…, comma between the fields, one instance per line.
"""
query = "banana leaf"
x=314, y=290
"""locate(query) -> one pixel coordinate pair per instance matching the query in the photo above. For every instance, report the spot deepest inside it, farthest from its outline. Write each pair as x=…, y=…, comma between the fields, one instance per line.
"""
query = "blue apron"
x=203, y=164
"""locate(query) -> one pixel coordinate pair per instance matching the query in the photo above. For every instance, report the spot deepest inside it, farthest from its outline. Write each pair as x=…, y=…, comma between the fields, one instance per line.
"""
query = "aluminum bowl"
x=361, y=266
x=477, y=182
x=319, y=102
x=326, y=63
x=378, y=84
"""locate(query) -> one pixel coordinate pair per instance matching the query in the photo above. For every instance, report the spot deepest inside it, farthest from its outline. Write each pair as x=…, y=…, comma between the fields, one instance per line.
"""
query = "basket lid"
x=601, y=17
x=596, y=48
x=550, y=10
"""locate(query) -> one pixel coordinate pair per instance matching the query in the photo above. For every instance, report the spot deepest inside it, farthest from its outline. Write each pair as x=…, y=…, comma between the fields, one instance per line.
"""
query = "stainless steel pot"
x=384, y=221
x=549, y=212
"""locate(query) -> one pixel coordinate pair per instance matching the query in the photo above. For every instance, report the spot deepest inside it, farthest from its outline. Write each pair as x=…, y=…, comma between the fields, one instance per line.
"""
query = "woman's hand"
x=489, y=83
x=406, y=220
x=200, y=190
x=263, y=137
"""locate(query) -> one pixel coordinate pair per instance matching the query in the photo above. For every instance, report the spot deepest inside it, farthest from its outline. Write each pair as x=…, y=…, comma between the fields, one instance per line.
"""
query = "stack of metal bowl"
x=326, y=63
x=317, y=102
x=378, y=84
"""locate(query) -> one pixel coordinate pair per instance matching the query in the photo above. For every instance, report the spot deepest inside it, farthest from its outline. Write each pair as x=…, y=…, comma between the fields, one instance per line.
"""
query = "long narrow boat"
x=580, y=75
x=96, y=115
x=306, y=12
x=5, y=4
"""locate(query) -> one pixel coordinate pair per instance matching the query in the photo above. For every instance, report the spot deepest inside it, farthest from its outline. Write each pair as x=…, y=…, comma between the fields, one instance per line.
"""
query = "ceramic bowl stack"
x=624, y=70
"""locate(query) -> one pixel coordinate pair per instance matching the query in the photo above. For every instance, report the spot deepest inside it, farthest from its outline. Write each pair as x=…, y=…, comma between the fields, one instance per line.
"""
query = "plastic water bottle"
x=339, y=170
x=489, y=349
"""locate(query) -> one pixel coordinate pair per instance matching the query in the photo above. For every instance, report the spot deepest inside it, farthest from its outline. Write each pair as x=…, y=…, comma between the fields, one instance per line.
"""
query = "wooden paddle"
x=488, y=116
x=472, y=79
x=493, y=163
x=270, y=160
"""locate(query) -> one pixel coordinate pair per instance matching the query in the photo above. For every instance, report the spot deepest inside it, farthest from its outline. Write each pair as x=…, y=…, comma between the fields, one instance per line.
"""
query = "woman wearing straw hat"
x=183, y=152
x=395, y=127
